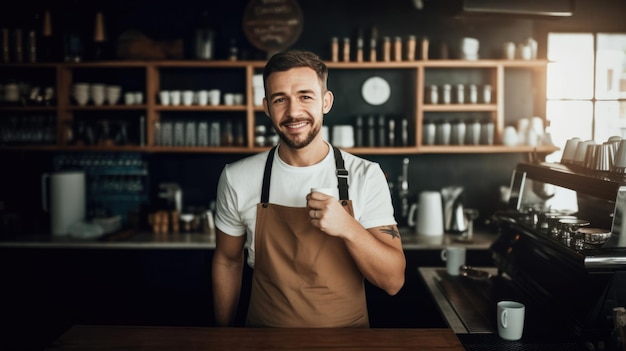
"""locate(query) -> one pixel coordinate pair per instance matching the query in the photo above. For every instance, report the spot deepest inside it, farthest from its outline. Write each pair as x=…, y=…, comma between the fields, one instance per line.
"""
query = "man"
x=309, y=251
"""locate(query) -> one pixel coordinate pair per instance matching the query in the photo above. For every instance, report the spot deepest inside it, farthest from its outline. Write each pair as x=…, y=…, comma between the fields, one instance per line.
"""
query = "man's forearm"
x=226, y=291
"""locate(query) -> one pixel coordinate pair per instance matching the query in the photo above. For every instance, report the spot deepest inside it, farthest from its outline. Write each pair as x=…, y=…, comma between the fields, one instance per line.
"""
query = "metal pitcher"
x=453, y=215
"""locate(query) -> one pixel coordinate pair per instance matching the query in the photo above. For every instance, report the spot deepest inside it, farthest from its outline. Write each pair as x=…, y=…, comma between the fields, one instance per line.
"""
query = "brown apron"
x=303, y=277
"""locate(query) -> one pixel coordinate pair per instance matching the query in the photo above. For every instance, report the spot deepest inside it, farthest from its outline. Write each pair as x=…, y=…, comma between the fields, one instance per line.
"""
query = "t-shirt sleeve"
x=227, y=216
x=376, y=204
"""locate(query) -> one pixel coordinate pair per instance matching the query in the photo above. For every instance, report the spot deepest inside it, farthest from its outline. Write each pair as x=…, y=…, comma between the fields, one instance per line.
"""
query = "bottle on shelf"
x=47, y=44
x=98, y=51
x=205, y=39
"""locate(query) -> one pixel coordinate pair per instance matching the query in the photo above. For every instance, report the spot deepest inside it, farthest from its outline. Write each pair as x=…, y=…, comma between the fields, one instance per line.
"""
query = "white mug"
x=454, y=256
x=334, y=192
x=510, y=320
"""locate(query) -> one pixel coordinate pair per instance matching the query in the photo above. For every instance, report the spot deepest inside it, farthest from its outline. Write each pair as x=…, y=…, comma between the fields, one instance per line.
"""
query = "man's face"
x=296, y=104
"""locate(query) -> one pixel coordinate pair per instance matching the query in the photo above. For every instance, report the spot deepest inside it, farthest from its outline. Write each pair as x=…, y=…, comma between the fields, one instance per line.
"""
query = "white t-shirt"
x=240, y=185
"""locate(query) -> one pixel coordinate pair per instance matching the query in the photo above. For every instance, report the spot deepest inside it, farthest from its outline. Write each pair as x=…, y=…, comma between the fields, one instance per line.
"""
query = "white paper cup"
x=138, y=97
x=164, y=97
x=229, y=99
x=510, y=319
x=202, y=97
x=175, y=97
x=187, y=97
x=454, y=256
x=334, y=192
x=214, y=97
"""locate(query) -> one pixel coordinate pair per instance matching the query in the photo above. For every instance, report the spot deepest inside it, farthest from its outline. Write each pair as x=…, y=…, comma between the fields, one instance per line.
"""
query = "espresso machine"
x=568, y=263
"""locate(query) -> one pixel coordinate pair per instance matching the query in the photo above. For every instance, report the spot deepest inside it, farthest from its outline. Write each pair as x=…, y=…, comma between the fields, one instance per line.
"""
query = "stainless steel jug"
x=453, y=215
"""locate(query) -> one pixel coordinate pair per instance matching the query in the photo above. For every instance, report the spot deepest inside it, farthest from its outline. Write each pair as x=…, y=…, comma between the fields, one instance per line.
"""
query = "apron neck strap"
x=342, y=176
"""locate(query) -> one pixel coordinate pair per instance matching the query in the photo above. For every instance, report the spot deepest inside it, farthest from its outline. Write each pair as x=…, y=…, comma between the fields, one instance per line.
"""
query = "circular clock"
x=376, y=91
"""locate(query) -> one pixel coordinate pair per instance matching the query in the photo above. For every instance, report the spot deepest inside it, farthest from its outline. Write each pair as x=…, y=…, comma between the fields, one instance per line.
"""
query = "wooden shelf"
x=153, y=111
x=460, y=107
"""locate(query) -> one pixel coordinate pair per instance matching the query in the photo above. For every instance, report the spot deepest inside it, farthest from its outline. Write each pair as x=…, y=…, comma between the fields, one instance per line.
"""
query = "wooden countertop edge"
x=84, y=337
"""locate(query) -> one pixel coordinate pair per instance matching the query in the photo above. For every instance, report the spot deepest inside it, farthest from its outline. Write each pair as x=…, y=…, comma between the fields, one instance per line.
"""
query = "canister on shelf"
x=473, y=94
x=486, y=133
x=373, y=44
x=359, y=132
x=487, y=94
x=346, y=49
x=433, y=94
x=444, y=130
x=405, y=132
x=386, y=49
x=397, y=49
x=392, y=132
x=424, y=48
x=371, y=131
x=430, y=130
x=410, y=48
x=447, y=92
x=458, y=133
x=460, y=94
x=382, y=134
x=334, y=49
x=359, y=47
x=473, y=133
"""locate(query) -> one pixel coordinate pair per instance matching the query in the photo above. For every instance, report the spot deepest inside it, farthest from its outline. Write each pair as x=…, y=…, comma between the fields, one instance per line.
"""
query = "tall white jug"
x=67, y=199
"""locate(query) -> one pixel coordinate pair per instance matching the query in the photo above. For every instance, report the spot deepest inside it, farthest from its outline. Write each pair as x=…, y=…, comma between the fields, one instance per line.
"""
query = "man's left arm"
x=378, y=254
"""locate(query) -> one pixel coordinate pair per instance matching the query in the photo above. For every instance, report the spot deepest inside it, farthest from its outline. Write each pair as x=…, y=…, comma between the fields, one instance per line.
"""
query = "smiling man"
x=310, y=252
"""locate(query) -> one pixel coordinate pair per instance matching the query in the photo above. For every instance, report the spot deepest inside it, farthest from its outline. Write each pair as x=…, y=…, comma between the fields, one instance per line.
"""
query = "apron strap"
x=342, y=176
x=265, y=190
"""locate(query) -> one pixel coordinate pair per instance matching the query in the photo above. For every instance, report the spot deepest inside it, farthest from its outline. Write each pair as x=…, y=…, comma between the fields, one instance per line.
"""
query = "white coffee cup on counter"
x=510, y=319
x=454, y=256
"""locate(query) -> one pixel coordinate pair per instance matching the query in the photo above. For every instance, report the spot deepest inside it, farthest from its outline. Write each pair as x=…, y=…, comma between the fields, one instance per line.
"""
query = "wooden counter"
x=82, y=337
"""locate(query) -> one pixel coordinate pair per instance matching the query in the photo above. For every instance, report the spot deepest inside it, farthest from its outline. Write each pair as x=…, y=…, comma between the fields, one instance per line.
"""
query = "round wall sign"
x=376, y=91
x=272, y=25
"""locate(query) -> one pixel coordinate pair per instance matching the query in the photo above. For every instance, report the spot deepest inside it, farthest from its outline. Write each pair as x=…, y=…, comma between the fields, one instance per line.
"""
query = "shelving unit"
x=151, y=76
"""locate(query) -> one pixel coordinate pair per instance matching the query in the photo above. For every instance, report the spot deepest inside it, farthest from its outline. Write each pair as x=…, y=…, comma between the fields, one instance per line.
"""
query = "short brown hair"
x=293, y=58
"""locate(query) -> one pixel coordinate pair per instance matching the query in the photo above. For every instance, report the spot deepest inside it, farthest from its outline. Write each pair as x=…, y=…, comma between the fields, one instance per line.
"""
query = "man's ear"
x=329, y=98
x=266, y=108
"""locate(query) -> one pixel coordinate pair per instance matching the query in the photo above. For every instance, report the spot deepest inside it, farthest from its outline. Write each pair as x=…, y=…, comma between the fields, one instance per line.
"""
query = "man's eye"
x=279, y=100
